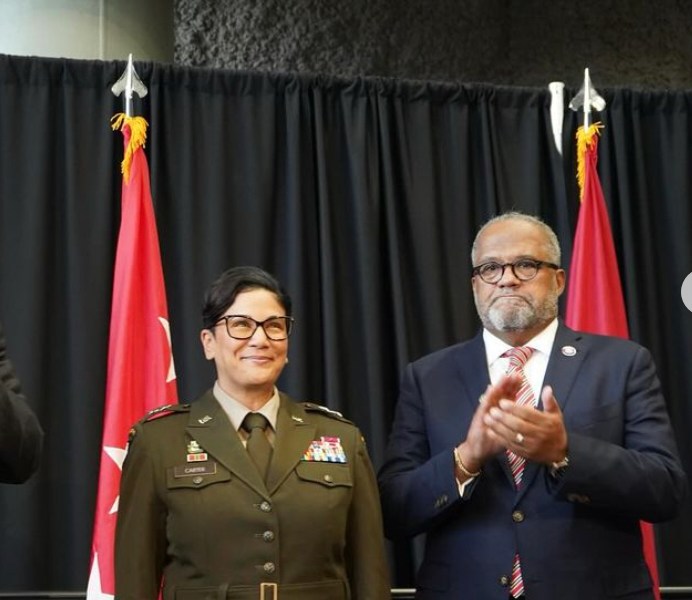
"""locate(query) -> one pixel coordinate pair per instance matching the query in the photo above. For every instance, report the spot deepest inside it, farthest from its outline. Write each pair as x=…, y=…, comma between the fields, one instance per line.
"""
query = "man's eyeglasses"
x=241, y=327
x=524, y=269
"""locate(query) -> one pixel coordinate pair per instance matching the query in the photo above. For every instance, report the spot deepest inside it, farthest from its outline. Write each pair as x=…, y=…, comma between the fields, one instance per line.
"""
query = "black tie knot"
x=254, y=421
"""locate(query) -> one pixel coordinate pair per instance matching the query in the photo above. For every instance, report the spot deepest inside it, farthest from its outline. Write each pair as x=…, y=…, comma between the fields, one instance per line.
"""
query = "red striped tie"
x=517, y=359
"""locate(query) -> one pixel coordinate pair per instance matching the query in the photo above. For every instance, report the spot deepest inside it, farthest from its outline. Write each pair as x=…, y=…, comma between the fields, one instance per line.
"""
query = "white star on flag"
x=118, y=456
x=171, y=366
x=94, y=591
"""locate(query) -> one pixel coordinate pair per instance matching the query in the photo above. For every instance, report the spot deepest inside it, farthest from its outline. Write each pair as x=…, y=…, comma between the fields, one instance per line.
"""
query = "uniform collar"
x=236, y=411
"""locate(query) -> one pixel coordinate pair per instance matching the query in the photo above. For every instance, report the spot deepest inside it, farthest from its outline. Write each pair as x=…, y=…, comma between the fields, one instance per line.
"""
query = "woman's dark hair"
x=223, y=292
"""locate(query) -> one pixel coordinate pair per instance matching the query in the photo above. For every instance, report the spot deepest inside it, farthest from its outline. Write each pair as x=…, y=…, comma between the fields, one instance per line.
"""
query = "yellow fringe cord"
x=138, y=138
x=585, y=141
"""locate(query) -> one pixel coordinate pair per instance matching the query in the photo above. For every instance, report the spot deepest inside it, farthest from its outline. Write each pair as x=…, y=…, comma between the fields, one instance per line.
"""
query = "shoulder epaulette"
x=334, y=414
x=156, y=413
x=164, y=411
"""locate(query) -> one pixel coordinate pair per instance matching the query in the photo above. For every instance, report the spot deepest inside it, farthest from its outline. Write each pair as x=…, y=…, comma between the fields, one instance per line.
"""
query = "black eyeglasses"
x=524, y=269
x=241, y=327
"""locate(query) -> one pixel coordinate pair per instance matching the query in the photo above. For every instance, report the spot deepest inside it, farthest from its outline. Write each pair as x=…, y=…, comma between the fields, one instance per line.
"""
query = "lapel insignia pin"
x=568, y=350
x=297, y=419
x=204, y=419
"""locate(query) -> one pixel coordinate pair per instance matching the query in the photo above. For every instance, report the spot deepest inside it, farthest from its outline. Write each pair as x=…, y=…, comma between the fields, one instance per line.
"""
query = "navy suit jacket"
x=579, y=535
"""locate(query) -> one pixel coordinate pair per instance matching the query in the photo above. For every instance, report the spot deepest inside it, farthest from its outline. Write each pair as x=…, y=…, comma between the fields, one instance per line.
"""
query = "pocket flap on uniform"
x=324, y=473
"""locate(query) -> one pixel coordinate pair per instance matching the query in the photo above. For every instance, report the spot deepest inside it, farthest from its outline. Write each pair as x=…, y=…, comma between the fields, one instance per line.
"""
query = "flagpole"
x=586, y=99
x=140, y=371
x=128, y=83
x=595, y=302
x=587, y=94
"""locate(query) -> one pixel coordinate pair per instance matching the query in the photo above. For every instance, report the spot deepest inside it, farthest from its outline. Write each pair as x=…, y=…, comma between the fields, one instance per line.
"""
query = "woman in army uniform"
x=245, y=494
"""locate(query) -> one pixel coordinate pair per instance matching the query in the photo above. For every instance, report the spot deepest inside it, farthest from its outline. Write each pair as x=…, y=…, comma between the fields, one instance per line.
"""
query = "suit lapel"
x=473, y=369
x=209, y=425
x=566, y=358
x=294, y=432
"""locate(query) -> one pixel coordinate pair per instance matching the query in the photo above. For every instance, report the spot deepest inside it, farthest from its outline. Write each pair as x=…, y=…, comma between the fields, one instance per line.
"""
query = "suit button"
x=265, y=506
x=517, y=516
x=197, y=479
x=441, y=501
x=268, y=536
x=269, y=567
x=328, y=478
x=504, y=581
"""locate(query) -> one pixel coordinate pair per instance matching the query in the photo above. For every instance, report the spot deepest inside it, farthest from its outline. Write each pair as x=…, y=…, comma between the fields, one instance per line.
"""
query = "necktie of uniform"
x=517, y=359
x=258, y=446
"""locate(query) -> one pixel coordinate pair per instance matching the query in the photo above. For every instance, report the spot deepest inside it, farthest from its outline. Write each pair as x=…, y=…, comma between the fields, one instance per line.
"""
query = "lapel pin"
x=568, y=350
x=297, y=419
x=204, y=419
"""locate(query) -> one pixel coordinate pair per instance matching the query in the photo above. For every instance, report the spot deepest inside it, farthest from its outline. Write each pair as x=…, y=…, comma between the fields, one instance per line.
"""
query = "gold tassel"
x=585, y=141
x=138, y=138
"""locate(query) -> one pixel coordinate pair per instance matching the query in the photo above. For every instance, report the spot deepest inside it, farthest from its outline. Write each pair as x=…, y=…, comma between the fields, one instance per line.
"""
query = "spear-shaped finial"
x=587, y=97
x=129, y=82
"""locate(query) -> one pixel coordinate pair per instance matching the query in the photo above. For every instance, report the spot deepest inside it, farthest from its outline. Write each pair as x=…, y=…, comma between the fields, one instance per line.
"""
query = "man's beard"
x=520, y=315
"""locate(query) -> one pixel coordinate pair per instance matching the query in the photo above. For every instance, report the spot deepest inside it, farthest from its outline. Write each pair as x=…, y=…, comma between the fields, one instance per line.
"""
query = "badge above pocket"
x=326, y=449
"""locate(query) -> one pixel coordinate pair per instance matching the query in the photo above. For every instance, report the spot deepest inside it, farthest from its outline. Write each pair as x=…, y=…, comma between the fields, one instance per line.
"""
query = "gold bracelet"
x=462, y=468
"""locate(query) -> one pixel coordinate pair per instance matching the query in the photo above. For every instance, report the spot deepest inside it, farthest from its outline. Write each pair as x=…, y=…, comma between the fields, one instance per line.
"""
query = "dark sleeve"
x=365, y=553
x=140, y=533
x=635, y=470
x=21, y=436
x=418, y=490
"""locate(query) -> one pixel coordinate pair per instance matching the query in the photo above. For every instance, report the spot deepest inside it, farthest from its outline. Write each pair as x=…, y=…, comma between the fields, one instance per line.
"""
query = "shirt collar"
x=236, y=411
x=543, y=342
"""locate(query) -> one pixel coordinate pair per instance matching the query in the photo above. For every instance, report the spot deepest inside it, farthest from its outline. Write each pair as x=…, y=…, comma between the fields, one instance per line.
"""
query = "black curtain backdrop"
x=361, y=195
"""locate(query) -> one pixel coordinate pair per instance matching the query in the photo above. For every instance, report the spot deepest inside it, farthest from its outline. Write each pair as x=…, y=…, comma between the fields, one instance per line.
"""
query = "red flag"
x=595, y=302
x=140, y=375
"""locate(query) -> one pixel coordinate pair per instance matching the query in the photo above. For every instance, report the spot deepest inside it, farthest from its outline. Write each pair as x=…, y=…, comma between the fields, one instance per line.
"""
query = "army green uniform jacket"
x=196, y=517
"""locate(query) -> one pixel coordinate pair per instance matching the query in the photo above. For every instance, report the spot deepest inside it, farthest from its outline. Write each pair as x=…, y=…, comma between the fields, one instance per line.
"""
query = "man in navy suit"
x=530, y=484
